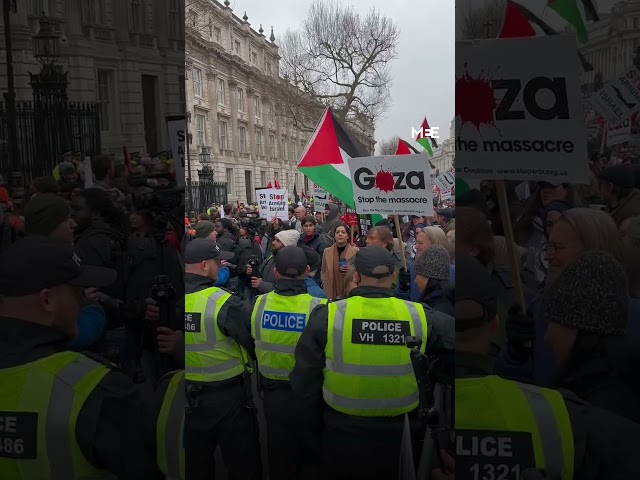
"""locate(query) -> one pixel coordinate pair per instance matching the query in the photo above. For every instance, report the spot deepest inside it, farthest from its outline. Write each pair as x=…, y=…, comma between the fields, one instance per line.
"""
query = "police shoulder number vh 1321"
x=493, y=455
x=379, y=332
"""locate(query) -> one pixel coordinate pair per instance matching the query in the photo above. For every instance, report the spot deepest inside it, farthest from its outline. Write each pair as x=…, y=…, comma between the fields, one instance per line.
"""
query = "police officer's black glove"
x=521, y=332
x=404, y=280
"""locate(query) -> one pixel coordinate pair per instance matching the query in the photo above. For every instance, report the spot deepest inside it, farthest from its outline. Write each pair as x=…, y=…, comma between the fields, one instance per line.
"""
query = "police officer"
x=169, y=425
x=352, y=359
x=218, y=347
x=278, y=319
x=63, y=414
x=507, y=429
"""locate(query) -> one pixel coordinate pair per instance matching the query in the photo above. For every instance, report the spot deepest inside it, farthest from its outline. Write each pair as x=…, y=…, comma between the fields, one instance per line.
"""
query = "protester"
x=206, y=229
x=586, y=313
x=432, y=269
x=331, y=219
x=618, y=189
x=335, y=263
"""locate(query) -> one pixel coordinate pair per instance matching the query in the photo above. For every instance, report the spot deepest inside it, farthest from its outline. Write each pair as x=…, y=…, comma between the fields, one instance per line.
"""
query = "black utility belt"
x=237, y=380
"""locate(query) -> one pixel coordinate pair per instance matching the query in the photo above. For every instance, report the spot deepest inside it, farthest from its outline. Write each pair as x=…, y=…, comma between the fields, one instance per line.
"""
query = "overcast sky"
x=423, y=72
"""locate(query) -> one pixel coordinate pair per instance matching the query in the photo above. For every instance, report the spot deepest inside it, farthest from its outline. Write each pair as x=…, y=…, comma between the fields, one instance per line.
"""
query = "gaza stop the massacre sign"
x=519, y=114
x=392, y=185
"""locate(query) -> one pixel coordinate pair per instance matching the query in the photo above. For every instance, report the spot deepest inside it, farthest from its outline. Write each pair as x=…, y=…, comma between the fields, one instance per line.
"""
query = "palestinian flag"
x=324, y=158
x=520, y=22
x=404, y=148
x=426, y=142
x=568, y=9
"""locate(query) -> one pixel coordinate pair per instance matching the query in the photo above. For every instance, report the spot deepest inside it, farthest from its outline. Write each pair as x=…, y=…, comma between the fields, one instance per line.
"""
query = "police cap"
x=200, y=249
x=291, y=262
x=375, y=262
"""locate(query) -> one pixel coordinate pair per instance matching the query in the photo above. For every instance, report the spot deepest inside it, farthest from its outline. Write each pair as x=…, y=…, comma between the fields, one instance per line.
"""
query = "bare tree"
x=338, y=59
x=389, y=146
x=484, y=21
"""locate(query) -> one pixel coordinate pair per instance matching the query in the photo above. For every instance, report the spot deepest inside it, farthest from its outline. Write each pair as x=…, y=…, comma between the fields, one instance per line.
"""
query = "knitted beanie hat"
x=43, y=213
x=289, y=238
x=204, y=228
x=590, y=295
x=434, y=263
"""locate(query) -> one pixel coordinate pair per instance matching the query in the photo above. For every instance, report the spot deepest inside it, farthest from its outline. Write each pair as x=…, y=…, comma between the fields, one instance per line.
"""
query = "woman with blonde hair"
x=576, y=232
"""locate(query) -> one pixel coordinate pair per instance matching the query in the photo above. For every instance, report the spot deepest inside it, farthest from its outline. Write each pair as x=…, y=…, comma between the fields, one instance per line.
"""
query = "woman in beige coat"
x=336, y=260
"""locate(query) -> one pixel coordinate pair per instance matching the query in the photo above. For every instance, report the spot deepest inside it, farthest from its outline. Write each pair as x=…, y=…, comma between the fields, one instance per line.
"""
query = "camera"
x=254, y=263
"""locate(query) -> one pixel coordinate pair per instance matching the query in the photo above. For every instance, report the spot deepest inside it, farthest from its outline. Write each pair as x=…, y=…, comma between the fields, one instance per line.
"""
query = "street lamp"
x=46, y=44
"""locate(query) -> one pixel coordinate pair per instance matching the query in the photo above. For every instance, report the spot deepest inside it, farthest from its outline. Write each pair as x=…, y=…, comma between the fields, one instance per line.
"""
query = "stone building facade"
x=232, y=86
x=612, y=42
x=444, y=156
x=127, y=55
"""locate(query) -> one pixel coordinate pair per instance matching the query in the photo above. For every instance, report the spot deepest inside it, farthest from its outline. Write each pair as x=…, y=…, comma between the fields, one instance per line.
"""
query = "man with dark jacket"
x=432, y=270
x=576, y=440
x=617, y=188
x=102, y=245
x=263, y=281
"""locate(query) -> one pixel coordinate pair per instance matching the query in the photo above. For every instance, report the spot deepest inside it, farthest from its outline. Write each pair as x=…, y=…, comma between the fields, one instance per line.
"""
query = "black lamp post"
x=188, y=148
x=207, y=187
x=50, y=99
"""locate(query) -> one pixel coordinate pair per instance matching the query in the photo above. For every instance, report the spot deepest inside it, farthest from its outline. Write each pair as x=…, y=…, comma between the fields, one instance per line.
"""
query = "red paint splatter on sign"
x=385, y=181
x=475, y=100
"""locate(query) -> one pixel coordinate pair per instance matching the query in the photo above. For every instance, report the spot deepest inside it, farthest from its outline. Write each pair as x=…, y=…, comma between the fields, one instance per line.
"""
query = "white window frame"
x=201, y=128
x=106, y=105
x=197, y=82
x=256, y=106
x=223, y=135
x=221, y=92
x=258, y=142
x=272, y=145
x=93, y=12
x=241, y=99
x=137, y=17
x=283, y=148
x=242, y=139
x=230, y=178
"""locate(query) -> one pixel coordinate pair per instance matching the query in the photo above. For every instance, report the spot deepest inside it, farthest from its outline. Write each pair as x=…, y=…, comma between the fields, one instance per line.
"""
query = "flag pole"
x=400, y=242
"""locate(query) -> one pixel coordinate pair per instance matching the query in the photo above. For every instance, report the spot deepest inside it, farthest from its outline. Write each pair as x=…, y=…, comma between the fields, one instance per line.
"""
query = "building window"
x=236, y=47
x=223, y=136
x=242, y=139
x=269, y=68
x=221, y=98
x=197, y=82
x=272, y=145
x=258, y=143
x=181, y=93
x=230, y=182
x=105, y=99
x=636, y=23
x=217, y=33
x=286, y=180
x=306, y=184
x=294, y=150
x=283, y=149
x=136, y=16
x=254, y=58
x=176, y=21
x=271, y=114
x=92, y=12
x=240, y=100
x=263, y=178
x=200, y=130
x=256, y=106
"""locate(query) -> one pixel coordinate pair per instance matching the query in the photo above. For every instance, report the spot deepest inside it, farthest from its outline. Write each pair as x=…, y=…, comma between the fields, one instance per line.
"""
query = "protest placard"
x=619, y=98
x=618, y=134
x=445, y=181
x=176, y=126
x=519, y=113
x=320, y=199
x=392, y=185
x=272, y=202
